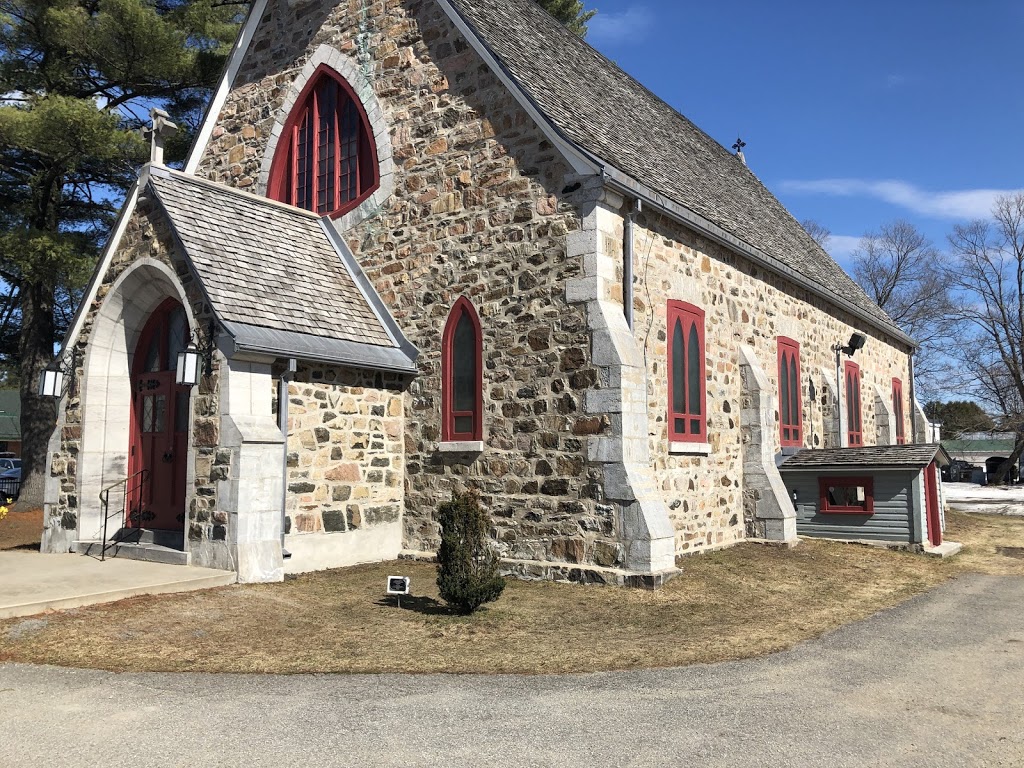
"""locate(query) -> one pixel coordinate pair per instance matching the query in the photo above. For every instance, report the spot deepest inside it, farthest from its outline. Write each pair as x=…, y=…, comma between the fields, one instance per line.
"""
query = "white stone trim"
x=460, y=446
x=106, y=383
x=349, y=70
x=245, y=36
x=680, y=448
x=885, y=418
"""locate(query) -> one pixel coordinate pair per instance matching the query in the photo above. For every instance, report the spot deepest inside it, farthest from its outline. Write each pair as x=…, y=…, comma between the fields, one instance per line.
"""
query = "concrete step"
x=945, y=549
x=150, y=553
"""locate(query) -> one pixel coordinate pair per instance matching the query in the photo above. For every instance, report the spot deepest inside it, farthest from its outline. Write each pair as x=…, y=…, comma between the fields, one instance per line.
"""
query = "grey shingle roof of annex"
x=915, y=455
x=608, y=114
x=264, y=264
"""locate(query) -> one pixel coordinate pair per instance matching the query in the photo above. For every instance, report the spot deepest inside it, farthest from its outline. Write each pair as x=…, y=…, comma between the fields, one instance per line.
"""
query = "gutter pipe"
x=282, y=416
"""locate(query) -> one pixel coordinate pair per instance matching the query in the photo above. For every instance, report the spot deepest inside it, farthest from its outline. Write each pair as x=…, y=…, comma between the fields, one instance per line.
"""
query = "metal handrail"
x=143, y=475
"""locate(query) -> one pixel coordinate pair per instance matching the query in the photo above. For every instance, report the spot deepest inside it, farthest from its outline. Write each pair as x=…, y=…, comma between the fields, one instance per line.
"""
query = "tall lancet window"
x=462, y=375
x=790, y=406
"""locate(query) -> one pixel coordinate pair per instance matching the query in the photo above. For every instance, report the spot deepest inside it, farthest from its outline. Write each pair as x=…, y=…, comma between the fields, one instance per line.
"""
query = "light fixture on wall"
x=856, y=342
x=58, y=377
x=188, y=370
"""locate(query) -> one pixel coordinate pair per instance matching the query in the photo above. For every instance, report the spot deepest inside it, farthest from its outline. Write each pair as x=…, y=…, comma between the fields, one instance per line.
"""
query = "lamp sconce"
x=58, y=378
x=857, y=341
x=187, y=371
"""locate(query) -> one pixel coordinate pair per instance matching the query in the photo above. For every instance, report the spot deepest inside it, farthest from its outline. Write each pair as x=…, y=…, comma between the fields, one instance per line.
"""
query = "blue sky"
x=854, y=113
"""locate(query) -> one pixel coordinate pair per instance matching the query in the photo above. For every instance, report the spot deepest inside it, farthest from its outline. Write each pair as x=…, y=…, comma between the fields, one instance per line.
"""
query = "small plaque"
x=398, y=585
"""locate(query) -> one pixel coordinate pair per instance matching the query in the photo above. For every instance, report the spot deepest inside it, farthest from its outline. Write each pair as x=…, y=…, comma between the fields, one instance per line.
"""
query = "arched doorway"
x=159, y=422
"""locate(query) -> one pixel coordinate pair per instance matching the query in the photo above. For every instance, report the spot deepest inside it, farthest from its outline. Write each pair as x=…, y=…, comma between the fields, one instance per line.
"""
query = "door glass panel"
x=160, y=414
x=147, y=413
x=177, y=336
x=153, y=354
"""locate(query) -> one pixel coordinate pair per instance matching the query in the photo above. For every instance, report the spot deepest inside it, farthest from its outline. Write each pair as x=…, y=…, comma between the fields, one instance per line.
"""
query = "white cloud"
x=957, y=204
x=895, y=80
x=840, y=247
x=630, y=26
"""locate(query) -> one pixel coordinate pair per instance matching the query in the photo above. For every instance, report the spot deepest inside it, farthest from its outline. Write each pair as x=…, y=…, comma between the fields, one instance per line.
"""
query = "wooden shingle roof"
x=607, y=114
x=913, y=456
x=278, y=278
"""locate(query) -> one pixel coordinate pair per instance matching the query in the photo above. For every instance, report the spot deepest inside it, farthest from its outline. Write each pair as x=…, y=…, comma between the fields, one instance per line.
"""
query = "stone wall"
x=345, y=450
x=744, y=304
x=478, y=210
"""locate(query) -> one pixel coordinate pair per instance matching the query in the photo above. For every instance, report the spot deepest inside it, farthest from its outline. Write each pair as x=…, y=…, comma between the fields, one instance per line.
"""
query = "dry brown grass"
x=22, y=528
x=741, y=602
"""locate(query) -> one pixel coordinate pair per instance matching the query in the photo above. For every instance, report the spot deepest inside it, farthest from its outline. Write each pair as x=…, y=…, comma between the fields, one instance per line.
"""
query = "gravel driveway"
x=938, y=681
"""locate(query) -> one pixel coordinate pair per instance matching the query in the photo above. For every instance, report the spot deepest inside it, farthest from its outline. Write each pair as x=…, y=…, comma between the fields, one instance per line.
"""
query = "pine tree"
x=570, y=13
x=77, y=79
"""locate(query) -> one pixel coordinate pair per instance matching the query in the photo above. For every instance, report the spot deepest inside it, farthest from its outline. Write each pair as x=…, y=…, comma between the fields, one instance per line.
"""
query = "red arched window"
x=897, y=407
x=325, y=160
x=790, y=406
x=462, y=375
x=687, y=402
x=854, y=435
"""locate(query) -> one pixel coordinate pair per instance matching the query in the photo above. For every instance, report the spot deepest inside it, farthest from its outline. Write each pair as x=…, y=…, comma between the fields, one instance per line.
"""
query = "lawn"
x=741, y=602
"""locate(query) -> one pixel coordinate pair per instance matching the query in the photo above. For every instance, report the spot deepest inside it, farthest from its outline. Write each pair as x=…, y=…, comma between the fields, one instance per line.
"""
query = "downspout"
x=282, y=416
x=627, y=262
x=839, y=397
x=913, y=405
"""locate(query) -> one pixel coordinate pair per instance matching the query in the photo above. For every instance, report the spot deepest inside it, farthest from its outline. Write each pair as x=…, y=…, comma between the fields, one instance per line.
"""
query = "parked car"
x=958, y=471
x=10, y=477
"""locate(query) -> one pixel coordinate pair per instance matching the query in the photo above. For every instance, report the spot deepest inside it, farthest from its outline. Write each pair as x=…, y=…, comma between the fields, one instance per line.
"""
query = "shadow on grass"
x=425, y=605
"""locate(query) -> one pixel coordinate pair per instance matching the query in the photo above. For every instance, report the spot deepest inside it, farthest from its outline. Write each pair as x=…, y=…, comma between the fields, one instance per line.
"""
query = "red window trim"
x=897, y=406
x=847, y=482
x=283, y=173
x=854, y=406
x=448, y=433
x=690, y=316
x=790, y=434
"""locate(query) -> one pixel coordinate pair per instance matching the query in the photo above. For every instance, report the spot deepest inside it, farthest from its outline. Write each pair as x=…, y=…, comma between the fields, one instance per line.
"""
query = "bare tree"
x=904, y=273
x=988, y=276
x=819, y=232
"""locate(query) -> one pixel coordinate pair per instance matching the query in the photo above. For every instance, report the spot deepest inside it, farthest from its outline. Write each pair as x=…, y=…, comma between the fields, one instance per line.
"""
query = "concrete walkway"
x=936, y=681
x=31, y=582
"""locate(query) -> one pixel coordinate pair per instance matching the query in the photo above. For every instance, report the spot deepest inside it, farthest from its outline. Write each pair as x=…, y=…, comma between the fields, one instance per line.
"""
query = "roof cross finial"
x=738, y=146
x=160, y=130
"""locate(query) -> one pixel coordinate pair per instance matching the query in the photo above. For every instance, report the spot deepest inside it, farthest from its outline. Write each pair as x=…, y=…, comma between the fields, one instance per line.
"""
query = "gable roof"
x=278, y=278
x=608, y=115
x=912, y=456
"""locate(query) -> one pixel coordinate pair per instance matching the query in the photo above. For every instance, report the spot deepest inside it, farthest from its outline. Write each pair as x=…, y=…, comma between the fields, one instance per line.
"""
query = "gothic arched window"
x=325, y=160
x=462, y=375
x=687, y=411
x=790, y=406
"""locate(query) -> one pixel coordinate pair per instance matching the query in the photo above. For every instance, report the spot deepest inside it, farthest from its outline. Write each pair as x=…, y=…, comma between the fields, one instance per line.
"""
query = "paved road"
x=938, y=681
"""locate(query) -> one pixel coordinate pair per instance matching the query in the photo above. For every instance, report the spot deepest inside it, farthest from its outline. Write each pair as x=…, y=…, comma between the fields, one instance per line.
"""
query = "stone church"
x=427, y=245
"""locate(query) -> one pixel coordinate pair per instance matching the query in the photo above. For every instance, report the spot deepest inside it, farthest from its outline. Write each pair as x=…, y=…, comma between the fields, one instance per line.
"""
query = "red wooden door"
x=931, y=500
x=159, y=434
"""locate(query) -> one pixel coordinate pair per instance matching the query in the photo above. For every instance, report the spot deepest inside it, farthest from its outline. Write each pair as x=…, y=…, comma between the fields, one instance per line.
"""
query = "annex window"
x=897, y=408
x=687, y=419
x=790, y=407
x=846, y=495
x=461, y=372
x=854, y=433
x=325, y=160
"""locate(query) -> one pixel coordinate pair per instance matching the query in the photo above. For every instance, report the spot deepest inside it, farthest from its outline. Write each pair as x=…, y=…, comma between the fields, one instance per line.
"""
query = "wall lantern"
x=187, y=374
x=195, y=360
x=856, y=342
x=51, y=381
x=58, y=377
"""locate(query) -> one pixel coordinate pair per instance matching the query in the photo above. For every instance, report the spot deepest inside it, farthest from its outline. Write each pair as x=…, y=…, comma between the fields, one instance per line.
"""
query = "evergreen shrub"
x=467, y=565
